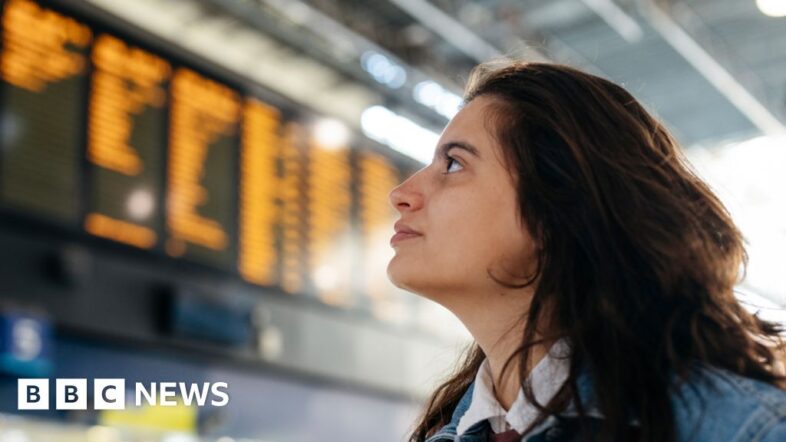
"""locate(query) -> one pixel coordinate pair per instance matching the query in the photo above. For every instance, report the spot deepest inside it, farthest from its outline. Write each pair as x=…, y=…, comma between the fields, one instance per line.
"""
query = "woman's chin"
x=402, y=275
x=394, y=272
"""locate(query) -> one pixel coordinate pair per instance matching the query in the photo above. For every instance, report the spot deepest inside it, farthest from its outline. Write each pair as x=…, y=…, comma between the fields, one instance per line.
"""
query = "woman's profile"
x=560, y=222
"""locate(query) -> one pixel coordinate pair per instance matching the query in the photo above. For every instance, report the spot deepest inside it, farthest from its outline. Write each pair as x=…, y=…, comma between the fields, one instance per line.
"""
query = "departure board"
x=294, y=208
x=43, y=67
x=377, y=177
x=330, y=237
x=125, y=141
x=259, y=187
x=205, y=117
x=126, y=137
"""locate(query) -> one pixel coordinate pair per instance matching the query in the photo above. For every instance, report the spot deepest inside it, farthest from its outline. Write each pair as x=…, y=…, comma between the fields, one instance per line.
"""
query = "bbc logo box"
x=70, y=394
x=32, y=394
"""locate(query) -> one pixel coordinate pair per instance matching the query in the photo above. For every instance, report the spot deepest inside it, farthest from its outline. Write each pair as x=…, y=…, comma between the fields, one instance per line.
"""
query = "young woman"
x=561, y=224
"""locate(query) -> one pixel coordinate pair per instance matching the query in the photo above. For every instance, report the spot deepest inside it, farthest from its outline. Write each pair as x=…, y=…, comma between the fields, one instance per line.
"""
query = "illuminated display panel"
x=126, y=138
x=294, y=208
x=201, y=181
x=259, y=214
x=182, y=163
x=377, y=176
x=330, y=237
x=43, y=65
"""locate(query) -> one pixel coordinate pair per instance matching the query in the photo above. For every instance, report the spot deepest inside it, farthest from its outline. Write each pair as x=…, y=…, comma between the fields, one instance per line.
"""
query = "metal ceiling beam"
x=336, y=46
x=711, y=69
x=617, y=19
x=453, y=31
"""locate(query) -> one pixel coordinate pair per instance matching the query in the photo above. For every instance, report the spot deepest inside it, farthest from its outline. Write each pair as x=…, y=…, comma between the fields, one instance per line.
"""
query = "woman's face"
x=465, y=210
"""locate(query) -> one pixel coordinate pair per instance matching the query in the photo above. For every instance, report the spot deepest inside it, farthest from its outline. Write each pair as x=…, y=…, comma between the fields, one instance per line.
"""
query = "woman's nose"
x=406, y=196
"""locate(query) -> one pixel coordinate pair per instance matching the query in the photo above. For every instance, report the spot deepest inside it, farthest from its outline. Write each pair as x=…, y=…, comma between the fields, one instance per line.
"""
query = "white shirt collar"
x=547, y=377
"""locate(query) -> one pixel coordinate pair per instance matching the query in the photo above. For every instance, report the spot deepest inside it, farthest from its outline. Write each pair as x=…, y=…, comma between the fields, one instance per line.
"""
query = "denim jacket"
x=716, y=406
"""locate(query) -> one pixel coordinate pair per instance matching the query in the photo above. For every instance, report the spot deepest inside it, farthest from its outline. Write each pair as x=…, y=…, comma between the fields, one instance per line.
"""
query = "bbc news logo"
x=110, y=394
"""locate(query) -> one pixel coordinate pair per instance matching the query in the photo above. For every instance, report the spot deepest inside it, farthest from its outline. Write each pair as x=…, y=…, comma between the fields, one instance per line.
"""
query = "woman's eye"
x=452, y=161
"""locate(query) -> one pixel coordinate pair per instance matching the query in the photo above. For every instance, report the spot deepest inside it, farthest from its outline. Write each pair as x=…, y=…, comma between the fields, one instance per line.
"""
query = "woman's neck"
x=506, y=389
x=497, y=322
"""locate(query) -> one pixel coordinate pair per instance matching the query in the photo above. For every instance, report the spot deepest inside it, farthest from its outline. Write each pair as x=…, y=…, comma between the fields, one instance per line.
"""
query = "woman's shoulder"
x=717, y=404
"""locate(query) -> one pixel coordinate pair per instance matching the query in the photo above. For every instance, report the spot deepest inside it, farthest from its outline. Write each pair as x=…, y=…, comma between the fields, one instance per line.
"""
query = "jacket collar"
x=478, y=432
x=546, y=377
x=448, y=432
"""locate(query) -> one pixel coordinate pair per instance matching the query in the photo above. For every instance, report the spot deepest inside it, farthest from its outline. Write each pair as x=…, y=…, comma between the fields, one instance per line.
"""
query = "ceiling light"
x=434, y=96
x=400, y=133
x=331, y=134
x=772, y=8
x=383, y=69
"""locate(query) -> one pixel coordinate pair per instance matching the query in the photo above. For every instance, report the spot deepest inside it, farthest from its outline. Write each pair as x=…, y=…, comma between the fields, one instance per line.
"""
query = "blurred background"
x=196, y=190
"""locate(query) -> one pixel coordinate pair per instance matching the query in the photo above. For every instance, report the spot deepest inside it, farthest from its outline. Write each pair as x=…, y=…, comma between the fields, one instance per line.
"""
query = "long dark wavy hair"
x=637, y=257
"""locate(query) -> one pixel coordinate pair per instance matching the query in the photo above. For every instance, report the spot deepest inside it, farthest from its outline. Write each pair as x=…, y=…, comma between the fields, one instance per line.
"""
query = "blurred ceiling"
x=713, y=70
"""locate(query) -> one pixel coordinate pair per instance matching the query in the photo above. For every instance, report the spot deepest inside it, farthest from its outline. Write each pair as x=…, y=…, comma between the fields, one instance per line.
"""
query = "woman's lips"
x=401, y=236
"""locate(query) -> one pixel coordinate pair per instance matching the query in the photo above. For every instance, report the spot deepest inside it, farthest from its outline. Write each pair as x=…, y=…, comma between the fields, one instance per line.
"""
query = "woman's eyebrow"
x=460, y=145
